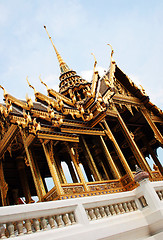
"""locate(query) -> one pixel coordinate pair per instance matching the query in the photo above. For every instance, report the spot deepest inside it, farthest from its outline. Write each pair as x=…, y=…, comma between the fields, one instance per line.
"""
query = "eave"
x=82, y=130
x=131, y=86
x=57, y=136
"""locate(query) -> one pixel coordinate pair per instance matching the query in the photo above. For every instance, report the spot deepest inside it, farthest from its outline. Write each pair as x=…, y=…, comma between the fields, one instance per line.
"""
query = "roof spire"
x=62, y=64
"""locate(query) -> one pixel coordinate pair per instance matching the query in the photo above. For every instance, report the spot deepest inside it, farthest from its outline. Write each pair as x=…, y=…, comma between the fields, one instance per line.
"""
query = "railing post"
x=149, y=198
x=80, y=215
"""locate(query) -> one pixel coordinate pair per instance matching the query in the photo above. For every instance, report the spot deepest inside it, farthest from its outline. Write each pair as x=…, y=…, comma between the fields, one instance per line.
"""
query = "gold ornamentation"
x=72, y=190
x=29, y=101
x=27, y=117
x=31, y=85
x=63, y=65
x=51, y=153
x=3, y=185
x=26, y=161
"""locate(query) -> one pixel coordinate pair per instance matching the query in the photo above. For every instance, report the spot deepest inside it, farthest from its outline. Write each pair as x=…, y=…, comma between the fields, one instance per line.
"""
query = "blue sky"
x=78, y=28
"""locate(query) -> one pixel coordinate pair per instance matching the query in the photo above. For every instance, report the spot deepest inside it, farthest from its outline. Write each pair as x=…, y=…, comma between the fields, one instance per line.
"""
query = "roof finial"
x=4, y=91
x=43, y=82
x=112, y=51
x=94, y=78
x=63, y=65
x=2, y=88
x=31, y=85
x=95, y=60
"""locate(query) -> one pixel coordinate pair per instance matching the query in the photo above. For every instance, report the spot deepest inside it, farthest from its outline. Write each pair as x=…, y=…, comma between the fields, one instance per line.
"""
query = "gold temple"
x=100, y=130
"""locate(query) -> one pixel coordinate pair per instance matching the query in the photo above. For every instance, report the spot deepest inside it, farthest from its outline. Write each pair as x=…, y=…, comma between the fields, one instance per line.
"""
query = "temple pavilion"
x=100, y=130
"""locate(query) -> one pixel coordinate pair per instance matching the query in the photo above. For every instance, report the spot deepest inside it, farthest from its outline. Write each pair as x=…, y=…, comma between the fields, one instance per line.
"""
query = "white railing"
x=31, y=218
x=111, y=210
x=26, y=219
x=158, y=186
x=72, y=214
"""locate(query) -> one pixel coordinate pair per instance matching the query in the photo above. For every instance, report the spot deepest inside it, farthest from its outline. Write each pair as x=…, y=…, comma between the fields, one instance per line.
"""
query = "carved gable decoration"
x=120, y=89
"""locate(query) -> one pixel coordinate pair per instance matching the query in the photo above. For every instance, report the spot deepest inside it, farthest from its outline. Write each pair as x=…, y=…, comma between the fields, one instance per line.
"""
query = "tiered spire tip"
x=62, y=64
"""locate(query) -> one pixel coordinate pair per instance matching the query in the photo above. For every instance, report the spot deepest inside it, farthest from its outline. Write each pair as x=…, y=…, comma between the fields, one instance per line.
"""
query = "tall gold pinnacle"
x=62, y=64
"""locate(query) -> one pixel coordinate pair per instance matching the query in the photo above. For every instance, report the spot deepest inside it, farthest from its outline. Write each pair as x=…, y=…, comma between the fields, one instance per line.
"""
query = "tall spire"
x=62, y=64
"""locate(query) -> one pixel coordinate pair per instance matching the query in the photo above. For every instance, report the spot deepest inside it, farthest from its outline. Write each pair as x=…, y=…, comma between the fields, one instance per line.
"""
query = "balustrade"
x=19, y=221
x=111, y=210
x=29, y=226
x=143, y=202
x=160, y=194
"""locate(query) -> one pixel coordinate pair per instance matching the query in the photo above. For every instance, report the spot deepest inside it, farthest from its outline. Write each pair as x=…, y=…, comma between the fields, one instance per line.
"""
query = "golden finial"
x=112, y=51
x=62, y=64
x=2, y=88
x=30, y=85
x=95, y=60
x=43, y=82
x=4, y=91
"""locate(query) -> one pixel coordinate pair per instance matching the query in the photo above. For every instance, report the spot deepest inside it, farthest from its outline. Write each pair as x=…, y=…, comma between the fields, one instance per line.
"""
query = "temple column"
x=38, y=175
x=57, y=169
x=3, y=186
x=155, y=130
x=104, y=169
x=72, y=172
x=87, y=171
x=15, y=196
x=56, y=162
x=40, y=189
x=53, y=170
x=153, y=155
x=23, y=178
x=112, y=165
x=61, y=172
x=118, y=150
x=138, y=155
x=155, y=159
x=92, y=163
x=77, y=167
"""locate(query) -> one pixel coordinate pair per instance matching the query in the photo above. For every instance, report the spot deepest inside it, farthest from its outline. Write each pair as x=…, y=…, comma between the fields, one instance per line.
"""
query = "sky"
x=78, y=28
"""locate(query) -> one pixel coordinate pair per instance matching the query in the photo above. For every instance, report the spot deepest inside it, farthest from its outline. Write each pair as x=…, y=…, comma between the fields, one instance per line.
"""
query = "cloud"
x=87, y=74
x=52, y=81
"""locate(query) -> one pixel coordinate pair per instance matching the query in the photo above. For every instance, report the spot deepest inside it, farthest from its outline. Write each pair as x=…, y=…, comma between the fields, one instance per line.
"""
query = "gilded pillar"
x=53, y=170
x=91, y=160
x=105, y=171
x=87, y=171
x=118, y=151
x=60, y=169
x=153, y=154
x=23, y=178
x=155, y=159
x=3, y=186
x=155, y=130
x=56, y=162
x=36, y=176
x=72, y=172
x=40, y=189
x=112, y=165
x=77, y=167
x=138, y=155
